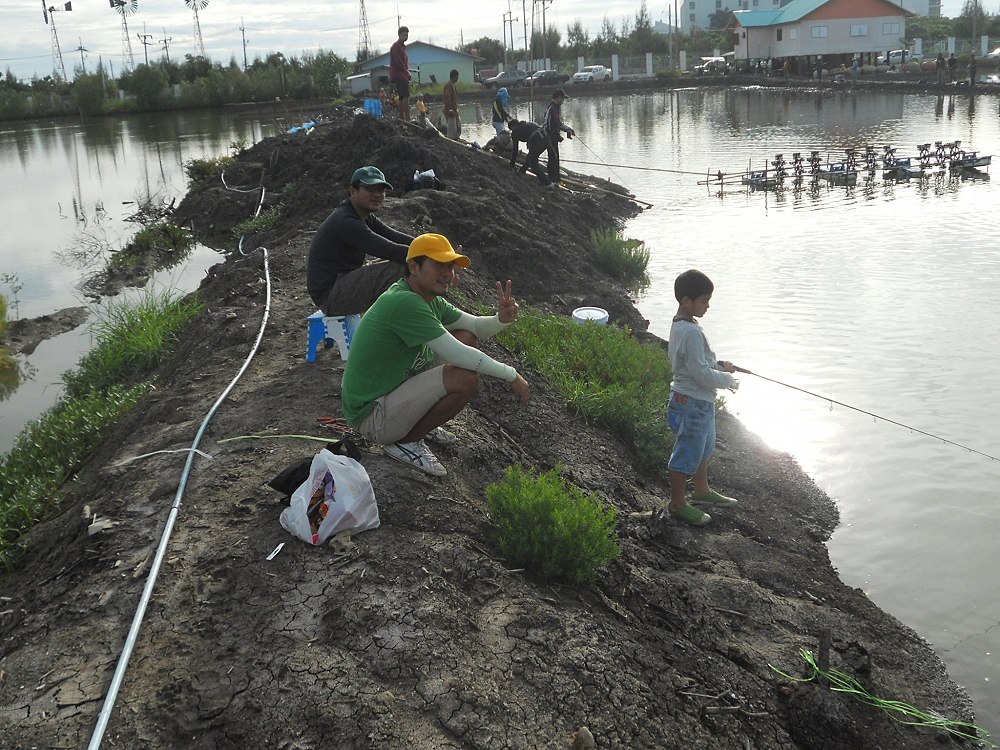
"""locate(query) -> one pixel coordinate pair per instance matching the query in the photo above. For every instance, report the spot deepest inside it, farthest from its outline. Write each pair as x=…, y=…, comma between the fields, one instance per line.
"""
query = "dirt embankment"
x=423, y=638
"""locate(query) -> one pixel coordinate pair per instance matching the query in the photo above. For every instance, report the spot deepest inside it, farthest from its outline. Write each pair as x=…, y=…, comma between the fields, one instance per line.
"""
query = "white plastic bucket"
x=590, y=314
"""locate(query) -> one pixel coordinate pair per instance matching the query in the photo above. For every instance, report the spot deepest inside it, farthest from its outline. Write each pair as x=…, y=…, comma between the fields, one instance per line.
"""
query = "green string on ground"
x=898, y=711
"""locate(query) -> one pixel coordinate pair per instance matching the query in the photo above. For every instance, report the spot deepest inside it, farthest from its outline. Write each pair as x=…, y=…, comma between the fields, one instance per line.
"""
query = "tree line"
x=197, y=82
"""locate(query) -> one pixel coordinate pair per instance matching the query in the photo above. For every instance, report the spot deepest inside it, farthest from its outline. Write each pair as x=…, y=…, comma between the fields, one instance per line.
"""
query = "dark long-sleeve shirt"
x=341, y=244
x=523, y=132
x=553, y=124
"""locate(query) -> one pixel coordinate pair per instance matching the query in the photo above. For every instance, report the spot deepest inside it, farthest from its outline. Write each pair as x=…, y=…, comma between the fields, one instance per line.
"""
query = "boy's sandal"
x=713, y=497
x=692, y=515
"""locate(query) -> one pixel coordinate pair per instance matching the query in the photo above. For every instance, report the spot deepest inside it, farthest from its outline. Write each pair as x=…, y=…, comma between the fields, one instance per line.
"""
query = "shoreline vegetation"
x=131, y=339
x=425, y=632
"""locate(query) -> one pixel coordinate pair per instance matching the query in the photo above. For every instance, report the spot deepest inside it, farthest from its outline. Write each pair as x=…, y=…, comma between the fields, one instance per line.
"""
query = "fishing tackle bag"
x=337, y=496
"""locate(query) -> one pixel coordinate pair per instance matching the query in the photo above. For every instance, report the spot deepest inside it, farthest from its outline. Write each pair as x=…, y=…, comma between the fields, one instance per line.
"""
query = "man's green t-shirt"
x=389, y=346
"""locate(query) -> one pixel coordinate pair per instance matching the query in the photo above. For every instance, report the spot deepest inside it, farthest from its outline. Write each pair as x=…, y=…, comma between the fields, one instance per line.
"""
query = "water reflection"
x=71, y=190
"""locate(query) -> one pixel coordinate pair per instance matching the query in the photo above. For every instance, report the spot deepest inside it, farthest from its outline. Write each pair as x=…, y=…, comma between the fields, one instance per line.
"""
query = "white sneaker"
x=441, y=436
x=416, y=454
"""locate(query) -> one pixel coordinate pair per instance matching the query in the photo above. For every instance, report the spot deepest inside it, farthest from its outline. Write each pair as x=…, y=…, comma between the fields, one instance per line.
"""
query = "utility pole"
x=81, y=49
x=166, y=44
x=144, y=39
x=545, y=53
x=524, y=15
x=508, y=18
x=243, y=31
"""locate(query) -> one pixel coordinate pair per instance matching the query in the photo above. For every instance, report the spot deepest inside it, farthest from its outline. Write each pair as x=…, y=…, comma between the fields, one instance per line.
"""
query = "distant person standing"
x=972, y=69
x=554, y=128
x=939, y=66
x=399, y=72
x=952, y=67
x=500, y=116
x=785, y=68
x=421, y=110
x=854, y=70
x=450, y=94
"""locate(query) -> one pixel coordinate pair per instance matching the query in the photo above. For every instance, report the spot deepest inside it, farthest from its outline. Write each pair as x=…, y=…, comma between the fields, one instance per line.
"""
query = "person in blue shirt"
x=500, y=115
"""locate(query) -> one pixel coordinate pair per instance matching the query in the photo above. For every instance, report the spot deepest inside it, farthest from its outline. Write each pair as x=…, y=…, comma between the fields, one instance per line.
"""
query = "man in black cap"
x=554, y=128
x=338, y=280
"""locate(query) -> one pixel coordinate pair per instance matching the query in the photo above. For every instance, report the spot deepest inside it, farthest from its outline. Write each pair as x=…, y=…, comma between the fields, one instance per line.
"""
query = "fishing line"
x=865, y=411
x=641, y=169
x=597, y=156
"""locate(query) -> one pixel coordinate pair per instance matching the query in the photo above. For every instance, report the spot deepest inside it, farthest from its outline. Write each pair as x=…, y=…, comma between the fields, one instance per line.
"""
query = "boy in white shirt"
x=691, y=413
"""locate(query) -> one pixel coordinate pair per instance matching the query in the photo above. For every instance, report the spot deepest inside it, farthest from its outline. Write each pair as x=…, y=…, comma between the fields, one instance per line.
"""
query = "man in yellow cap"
x=389, y=394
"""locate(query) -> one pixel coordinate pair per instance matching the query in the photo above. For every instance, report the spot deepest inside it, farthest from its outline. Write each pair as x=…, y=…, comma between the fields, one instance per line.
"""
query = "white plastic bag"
x=337, y=496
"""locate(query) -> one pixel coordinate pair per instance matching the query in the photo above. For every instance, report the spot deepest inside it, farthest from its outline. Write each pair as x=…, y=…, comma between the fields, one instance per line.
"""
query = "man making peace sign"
x=391, y=394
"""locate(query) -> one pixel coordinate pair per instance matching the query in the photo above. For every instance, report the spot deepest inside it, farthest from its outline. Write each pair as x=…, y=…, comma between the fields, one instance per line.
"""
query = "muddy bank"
x=422, y=637
x=24, y=335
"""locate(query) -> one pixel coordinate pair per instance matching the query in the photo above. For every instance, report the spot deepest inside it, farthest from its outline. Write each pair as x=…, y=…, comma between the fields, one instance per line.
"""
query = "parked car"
x=509, y=78
x=591, y=73
x=896, y=57
x=547, y=78
x=994, y=55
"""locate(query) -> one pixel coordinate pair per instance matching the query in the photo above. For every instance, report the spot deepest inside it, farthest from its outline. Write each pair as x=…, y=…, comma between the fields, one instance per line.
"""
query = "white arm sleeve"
x=453, y=351
x=482, y=326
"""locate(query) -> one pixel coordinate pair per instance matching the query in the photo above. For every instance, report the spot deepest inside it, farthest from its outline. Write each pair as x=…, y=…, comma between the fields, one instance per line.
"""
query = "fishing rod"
x=865, y=411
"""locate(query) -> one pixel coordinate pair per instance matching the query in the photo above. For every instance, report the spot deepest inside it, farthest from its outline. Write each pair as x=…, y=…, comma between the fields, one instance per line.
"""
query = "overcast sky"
x=291, y=27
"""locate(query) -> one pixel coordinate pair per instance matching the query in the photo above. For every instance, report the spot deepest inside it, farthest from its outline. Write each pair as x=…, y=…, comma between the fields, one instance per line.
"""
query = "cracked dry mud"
x=422, y=637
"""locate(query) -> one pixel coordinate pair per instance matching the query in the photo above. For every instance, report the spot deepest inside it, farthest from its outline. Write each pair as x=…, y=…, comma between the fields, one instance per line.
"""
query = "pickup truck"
x=547, y=78
x=506, y=78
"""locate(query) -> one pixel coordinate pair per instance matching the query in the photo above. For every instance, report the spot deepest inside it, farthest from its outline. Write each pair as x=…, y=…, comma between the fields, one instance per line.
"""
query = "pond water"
x=69, y=189
x=882, y=296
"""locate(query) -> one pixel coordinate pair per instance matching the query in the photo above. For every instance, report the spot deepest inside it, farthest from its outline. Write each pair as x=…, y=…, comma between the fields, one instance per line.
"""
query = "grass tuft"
x=263, y=221
x=159, y=244
x=132, y=338
x=50, y=450
x=201, y=169
x=606, y=375
x=625, y=259
x=547, y=525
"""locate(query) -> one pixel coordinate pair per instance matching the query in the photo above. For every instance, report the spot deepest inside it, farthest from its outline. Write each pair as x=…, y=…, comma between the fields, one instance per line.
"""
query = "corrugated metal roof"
x=796, y=10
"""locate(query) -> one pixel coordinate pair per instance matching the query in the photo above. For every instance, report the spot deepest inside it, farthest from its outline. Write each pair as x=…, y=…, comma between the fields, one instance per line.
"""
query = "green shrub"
x=606, y=375
x=3, y=317
x=201, y=169
x=132, y=338
x=265, y=220
x=157, y=245
x=549, y=526
x=625, y=259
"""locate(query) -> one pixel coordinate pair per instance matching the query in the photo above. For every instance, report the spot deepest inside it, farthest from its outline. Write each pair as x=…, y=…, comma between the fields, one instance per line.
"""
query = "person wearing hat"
x=337, y=278
x=391, y=394
x=500, y=115
x=554, y=128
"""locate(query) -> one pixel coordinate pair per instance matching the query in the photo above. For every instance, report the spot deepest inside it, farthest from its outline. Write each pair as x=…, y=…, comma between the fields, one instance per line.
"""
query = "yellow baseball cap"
x=436, y=247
